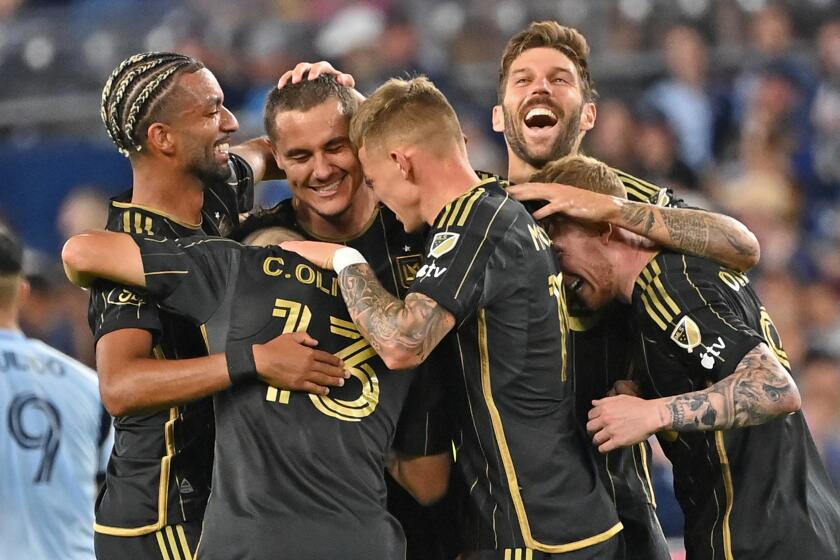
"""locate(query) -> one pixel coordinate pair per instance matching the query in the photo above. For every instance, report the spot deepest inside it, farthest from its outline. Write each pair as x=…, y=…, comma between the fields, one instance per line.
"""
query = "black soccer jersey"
x=159, y=470
x=755, y=492
x=529, y=469
x=295, y=475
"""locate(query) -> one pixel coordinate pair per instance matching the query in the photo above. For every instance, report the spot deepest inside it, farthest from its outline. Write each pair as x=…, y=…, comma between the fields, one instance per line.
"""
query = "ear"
x=160, y=137
x=498, y=119
x=24, y=290
x=606, y=233
x=403, y=162
x=587, y=116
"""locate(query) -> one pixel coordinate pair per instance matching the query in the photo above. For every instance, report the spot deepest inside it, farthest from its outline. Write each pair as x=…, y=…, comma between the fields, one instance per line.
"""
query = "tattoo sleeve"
x=695, y=232
x=757, y=391
x=403, y=333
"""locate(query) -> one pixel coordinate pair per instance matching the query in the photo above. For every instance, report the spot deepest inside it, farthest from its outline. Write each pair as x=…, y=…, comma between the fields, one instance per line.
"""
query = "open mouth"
x=573, y=284
x=327, y=189
x=540, y=117
x=222, y=149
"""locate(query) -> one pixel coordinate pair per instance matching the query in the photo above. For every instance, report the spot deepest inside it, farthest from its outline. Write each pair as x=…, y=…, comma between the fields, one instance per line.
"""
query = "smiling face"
x=543, y=114
x=202, y=126
x=314, y=149
x=384, y=176
x=587, y=272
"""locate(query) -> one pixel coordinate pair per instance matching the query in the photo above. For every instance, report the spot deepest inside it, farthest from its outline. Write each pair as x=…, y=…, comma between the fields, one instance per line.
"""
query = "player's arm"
x=258, y=154
x=694, y=232
x=103, y=254
x=759, y=390
x=426, y=478
x=403, y=333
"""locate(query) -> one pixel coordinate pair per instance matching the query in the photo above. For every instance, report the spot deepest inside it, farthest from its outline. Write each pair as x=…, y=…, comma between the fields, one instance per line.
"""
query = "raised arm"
x=694, y=232
x=403, y=333
x=759, y=390
x=103, y=254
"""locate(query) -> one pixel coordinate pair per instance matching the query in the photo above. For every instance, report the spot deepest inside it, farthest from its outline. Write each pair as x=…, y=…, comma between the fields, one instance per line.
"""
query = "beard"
x=562, y=146
x=209, y=172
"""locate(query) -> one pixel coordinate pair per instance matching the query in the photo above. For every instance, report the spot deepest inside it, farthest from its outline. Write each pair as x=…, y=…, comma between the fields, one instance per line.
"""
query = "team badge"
x=408, y=266
x=687, y=334
x=442, y=243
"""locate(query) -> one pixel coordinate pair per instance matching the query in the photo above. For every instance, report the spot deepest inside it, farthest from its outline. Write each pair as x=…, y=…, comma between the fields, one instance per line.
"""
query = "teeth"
x=223, y=147
x=540, y=111
x=332, y=187
x=577, y=285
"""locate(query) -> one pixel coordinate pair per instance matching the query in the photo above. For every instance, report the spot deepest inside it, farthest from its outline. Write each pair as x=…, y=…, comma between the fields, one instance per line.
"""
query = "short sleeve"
x=424, y=427
x=114, y=307
x=189, y=276
x=695, y=315
x=466, y=237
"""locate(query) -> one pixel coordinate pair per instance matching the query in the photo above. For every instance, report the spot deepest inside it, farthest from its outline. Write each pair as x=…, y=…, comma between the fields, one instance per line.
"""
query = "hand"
x=315, y=69
x=621, y=421
x=624, y=387
x=291, y=362
x=318, y=253
x=580, y=204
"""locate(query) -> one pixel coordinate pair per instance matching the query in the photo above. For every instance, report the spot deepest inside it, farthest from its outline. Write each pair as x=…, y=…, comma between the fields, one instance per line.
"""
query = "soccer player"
x=308, y=126
x=165, y=112
x=546, y=106
x=489, y=288
x=314, y=489
x=722, y=401
x=54, y=438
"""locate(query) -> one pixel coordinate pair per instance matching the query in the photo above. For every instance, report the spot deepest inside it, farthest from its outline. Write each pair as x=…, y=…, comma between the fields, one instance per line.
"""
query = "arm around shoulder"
x=103, y=254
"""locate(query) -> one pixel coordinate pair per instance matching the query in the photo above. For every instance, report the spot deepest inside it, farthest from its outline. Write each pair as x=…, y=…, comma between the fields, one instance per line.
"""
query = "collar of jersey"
x=364, y=230
x=170, y=217
x=11, y=334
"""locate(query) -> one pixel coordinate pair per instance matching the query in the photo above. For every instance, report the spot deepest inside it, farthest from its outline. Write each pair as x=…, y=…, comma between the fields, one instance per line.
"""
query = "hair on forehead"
x=136, y=95
x=306, y=95
x=583, y=172
x=414, y=111
x=550, y=34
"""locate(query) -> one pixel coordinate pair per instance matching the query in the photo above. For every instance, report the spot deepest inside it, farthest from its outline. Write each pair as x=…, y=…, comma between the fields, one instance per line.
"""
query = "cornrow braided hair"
x=132, y=92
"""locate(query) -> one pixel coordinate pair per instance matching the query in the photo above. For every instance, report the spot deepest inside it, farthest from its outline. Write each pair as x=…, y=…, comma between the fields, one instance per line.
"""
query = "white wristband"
x=346, y=256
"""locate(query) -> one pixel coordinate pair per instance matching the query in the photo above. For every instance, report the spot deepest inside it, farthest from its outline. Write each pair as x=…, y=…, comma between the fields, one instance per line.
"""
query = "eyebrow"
x=554, y=69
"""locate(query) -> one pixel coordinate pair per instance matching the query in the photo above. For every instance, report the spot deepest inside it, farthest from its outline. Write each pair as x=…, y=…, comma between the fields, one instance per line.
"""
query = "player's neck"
x=629, y=262
x=451, y=178
x=177, y=194
x=348, y=225
x=519, y=171
x=9, y=320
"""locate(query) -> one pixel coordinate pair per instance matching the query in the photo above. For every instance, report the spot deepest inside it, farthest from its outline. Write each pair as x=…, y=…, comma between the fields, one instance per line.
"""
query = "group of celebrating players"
x=403, y=324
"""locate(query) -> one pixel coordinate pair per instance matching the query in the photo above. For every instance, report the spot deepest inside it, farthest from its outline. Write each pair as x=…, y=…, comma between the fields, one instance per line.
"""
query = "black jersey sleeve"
x=639, y=190
x=190, y=276
x=689, y=306
x=424, y=426
x=467, y=237
x=114, y=307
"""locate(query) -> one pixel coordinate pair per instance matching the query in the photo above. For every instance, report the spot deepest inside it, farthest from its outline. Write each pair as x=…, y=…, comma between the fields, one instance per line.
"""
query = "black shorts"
x=171, y=542
x=642, y=537
x=607, y=550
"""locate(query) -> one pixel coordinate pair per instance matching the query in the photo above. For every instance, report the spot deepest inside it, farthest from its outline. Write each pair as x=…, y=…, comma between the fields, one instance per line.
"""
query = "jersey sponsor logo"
x=687, y=334
x=707, y=358
x=430, y=269
x=408, y=266
x=185, y=487
x=124, y=297
x=442, y=243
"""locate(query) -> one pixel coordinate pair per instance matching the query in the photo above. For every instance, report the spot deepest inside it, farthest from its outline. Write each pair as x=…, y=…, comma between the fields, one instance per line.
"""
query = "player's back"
x=51, y=434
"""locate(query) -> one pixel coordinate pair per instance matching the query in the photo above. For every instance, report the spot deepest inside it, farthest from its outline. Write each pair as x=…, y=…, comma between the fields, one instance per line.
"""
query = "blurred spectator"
x=83, y=208
x=819, y=386
x=612, y=140
x=683, y=97
x=826, y=108
x=657, y=154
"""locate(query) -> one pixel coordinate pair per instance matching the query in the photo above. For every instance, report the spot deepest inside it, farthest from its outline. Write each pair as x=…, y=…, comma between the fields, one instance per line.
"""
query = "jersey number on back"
x=36, y=424
x=355, y=356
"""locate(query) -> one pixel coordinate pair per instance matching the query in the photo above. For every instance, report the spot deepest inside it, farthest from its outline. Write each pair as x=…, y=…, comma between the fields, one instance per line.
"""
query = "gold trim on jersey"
x=481, y=244
x=519, y=554
x=129, y=205
x=345, y=238
x=163, y=487
x=457, y=211
x=640, y=188
x=651, y=496
x=730, y=493
x=507, y=460
x=657, y=301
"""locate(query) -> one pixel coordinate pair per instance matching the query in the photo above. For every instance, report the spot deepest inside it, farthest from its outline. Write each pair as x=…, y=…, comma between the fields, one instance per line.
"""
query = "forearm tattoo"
x=415, y=325
x=637, y=214
x=757, y=391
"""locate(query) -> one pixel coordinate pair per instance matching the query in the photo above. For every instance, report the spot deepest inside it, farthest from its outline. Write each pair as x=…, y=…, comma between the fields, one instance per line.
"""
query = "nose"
x=229, y=123
x=540, y=86
x=322, y=168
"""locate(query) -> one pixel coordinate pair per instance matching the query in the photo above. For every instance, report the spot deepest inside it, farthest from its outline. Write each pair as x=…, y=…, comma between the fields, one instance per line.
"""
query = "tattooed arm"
x=759, y=390
x=694, y=232
x=403, y=333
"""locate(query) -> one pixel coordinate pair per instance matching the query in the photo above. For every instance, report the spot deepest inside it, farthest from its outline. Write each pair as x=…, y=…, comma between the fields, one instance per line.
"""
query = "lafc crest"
x=408, y=265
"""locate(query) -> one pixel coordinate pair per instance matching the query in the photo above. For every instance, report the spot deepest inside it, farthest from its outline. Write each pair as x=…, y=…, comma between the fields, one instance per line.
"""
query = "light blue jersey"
x=54, y=441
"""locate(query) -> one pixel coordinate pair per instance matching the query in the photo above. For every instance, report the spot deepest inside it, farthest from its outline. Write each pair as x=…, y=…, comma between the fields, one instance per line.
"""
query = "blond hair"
x=407, y=111
x=550, y=34
x=583, y=172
